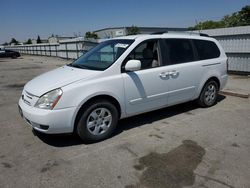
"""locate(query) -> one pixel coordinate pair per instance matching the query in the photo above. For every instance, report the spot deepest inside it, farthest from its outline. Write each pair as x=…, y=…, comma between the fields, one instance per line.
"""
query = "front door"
x=145, y=89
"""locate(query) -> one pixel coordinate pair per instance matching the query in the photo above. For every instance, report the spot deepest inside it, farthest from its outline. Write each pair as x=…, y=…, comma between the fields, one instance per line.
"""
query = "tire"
x=209, y=94
x=98, y=121
x=14, y=56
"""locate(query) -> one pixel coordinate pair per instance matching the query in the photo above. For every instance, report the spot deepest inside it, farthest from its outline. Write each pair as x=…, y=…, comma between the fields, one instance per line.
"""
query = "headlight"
x=49, y=100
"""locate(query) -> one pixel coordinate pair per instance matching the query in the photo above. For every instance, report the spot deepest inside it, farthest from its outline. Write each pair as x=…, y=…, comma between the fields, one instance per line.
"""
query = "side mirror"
x=133, y=65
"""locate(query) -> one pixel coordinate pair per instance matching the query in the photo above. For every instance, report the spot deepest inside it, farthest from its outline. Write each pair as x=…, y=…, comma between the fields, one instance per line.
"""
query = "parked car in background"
x=123, y=77
x=8, y=53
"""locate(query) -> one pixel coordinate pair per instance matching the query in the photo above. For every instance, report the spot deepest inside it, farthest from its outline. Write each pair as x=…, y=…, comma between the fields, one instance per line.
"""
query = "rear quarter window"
x=206, y=49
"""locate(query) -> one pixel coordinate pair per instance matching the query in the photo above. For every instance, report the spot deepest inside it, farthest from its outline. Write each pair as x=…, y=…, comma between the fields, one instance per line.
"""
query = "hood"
x=57, y=78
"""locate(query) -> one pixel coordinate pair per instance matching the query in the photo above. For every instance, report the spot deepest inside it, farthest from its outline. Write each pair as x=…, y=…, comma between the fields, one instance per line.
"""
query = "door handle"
x=164, y=74
x=173, y=73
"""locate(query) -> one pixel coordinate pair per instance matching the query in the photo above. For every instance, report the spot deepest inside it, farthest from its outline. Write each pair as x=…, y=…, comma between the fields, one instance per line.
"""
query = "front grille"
x=26, y=101
x=28, y=98
x=44, y=127
x=30, y=94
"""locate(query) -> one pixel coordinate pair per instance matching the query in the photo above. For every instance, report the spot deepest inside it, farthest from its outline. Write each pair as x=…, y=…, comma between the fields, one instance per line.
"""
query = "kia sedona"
x=123, y=77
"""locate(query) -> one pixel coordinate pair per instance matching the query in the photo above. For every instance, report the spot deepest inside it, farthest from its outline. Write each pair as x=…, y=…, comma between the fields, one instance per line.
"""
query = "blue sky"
x=25, y=19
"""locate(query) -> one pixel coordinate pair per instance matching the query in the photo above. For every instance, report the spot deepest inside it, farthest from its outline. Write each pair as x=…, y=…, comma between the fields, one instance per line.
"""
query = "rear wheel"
x=209, y=94
x=98, y=121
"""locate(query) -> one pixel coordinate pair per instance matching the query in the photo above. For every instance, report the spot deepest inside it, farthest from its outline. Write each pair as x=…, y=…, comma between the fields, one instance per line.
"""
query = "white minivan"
x=123, y=77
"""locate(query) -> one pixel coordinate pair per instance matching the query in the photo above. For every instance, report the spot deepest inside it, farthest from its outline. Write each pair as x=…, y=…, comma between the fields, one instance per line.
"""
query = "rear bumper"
x=48, y=121
x=223, y=81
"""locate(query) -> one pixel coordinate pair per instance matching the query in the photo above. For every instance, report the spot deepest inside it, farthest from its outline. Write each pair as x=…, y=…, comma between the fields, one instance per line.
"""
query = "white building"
x=236, y=43
x=56, y=39
x=122, y=31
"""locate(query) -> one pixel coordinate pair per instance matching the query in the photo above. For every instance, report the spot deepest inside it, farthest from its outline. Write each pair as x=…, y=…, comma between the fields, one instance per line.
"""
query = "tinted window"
x=179, y=51
x=206, y=49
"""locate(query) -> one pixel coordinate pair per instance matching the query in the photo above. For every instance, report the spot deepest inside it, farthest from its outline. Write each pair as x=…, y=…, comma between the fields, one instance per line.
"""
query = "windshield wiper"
x=69, y=64
x=77, y=66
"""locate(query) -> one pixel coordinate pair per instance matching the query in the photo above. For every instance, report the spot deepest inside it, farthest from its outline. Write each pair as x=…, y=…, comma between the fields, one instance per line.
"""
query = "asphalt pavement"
x=179, y=146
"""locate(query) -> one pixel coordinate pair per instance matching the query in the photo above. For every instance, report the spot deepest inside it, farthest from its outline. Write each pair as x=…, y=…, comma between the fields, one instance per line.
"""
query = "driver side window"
x=148, y=53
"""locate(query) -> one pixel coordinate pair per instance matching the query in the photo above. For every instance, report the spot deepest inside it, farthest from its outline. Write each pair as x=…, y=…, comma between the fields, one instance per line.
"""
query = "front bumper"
x=48, y=121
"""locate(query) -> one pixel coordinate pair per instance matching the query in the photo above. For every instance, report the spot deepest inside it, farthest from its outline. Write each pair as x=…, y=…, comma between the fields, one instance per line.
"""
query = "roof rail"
x=180, y=32
x=204, y=35
x=158, y=33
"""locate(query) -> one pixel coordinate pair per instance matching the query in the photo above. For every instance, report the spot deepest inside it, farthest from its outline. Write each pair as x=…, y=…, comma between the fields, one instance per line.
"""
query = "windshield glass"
x=103, y=55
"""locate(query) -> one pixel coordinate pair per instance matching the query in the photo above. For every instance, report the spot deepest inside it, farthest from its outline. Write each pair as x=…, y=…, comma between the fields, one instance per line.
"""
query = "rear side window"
x=179, y=51
x=206, y=49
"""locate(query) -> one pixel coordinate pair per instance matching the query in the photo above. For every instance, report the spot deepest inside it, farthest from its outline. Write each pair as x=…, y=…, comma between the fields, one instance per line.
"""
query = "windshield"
x=103, y=55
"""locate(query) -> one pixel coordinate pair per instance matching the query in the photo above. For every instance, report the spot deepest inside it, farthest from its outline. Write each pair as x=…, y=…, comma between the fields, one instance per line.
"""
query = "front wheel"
x=209, y=94
x=98, y=121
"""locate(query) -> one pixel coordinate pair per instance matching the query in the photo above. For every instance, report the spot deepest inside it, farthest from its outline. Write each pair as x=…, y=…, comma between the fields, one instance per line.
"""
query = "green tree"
x=28, y=41
x=14, y=41
x=240, y=18
x=232, y=20
x=38, y=41
x=133, y=30
x=244, y=15
x=89, y=35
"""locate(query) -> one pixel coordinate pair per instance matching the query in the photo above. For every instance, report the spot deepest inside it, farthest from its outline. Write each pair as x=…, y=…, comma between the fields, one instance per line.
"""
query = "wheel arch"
x=214, y=78
x=106, y=97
